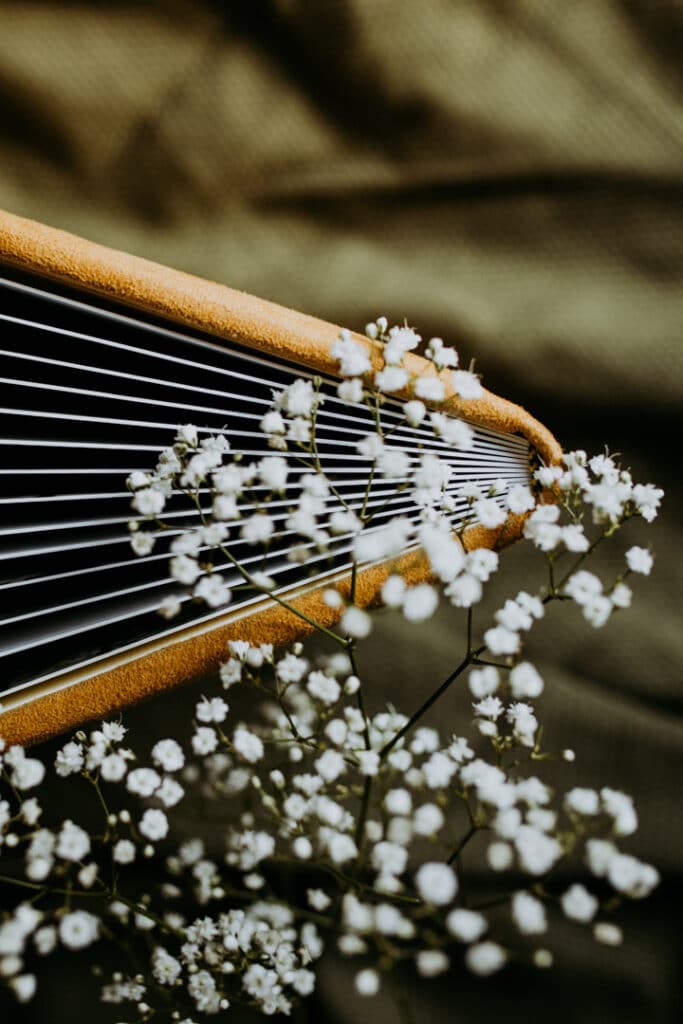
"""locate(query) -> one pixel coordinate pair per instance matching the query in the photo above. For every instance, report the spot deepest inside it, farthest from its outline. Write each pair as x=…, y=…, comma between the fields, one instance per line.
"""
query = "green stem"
x=8, y=880
x=284, y=603
x=557, y=588
x=464, y=664
x=462, y=844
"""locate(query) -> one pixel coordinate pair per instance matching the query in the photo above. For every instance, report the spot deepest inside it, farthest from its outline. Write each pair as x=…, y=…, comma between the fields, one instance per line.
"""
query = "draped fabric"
x=507, y=175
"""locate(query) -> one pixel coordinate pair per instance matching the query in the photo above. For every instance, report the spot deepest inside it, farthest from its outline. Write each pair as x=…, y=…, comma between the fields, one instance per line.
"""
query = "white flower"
x=368, y=762
x=392, y=378
x=330, y=765
x=204, y=740
x=248, y=745
x=466, y=925
x=579, y=904
x=341, y=848
x=355, y=622
x=485, y=958
x=230, y=672
x=257, y=529
x=532, y=605
x=149, y=501
x=400, y=341
x=30, y=811
x=483, y=681
x=430, y=962
x=393, y=591
x=464, y=591
x=352, y=356
x=500, y=640
x=165, y=967
x=524, y=723
x=45, y=939
x=398, y=801
x=630, y=876
x=123, y=851
x=187, y=434
x=436, y=883
x=291, y=668
x=525, y=681
x=168, y=755
x=620, y=808
x=27, y=772
x=439, y=770
x=78, y=929
x=273, y=472
x=69, y=759
x=528, y=914
x=299, y=398
x=541, y=527
x=488, y=707
x=366, y=982
x=415, y=411
x=213, y=590
x=214, y=710
x=647, y=498
x=323, y=687
x=428, y=820
x=599, y=853
x=454, y=432
x=24, y=987
x=143, y=781
x=519, y=499
x=184, y=569
x=273, y=423
x=154, y=824
x=481, y=563
x=607, y=933
x=440, y=355
x=499, y=856
x=420, y=602
x=351, y=390
x=489, y=513
x=583, y=586
x=621, y=596
x=574, y=539
x=170, y=792
x=432, y=389
x=582, y=801
x=389, y=858
x=537, y=852
x=639, y=560
x=318, y=899
x=73, y=842
x=169, y=607
x=466, y=384
x=597, y=610
x=113, y=768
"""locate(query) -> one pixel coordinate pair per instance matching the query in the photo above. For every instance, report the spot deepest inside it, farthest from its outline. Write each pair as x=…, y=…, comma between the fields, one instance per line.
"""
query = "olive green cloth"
x=507, y=175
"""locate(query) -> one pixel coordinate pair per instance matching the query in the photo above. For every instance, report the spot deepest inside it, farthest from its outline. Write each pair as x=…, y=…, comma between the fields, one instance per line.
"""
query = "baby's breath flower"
x=607, y=933
x=367, y=982
x=485, y=958
x=579, y=904
x=436, y=883
x=639, y=560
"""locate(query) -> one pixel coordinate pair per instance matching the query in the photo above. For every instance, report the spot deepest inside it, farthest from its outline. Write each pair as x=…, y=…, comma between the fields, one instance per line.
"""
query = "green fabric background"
x=505, y=174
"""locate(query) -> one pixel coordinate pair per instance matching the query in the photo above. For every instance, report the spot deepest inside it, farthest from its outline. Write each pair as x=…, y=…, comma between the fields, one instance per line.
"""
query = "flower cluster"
x=345, y=824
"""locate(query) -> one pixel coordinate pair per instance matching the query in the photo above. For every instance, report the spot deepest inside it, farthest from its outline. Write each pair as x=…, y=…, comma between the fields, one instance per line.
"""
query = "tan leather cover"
x=268, y=328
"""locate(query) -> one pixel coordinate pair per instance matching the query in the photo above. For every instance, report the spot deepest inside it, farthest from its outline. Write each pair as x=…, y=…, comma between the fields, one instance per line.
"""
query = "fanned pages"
x=102, y=357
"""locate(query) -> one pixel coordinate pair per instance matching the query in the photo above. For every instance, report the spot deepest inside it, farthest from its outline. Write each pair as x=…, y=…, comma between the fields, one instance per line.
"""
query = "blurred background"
x=507, y=174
